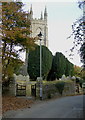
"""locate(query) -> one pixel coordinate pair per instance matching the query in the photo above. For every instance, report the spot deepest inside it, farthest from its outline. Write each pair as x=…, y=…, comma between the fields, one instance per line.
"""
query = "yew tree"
x=34, y=62
x=60, y=66
x=15, y=33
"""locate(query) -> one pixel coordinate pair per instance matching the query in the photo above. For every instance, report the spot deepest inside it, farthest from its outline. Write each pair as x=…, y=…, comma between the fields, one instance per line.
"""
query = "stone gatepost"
x=39, y=88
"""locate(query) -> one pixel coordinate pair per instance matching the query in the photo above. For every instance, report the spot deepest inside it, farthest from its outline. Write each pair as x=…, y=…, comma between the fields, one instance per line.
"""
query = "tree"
x=83, y=74
x=34, y=62
x=69, y=70
x=78, y=29
x=77, y=71
x=15, y=32
x=60, y=66
x=82, y=50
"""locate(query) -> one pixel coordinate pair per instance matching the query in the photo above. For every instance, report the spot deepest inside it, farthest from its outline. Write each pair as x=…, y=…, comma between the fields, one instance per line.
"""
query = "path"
x=65, y=107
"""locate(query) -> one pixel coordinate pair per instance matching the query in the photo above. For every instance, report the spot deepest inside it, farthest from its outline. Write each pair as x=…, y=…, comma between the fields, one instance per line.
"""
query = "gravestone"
x=63, y=77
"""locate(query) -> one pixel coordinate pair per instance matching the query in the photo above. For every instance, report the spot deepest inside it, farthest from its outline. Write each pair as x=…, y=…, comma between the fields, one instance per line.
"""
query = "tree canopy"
x=77, y=71
x=78, y=29
x=15, y=32
x=34, y=62
x=60, y=66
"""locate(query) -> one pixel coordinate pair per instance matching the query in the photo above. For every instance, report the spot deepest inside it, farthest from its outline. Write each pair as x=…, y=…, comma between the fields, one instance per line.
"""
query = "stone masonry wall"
x=50, y=90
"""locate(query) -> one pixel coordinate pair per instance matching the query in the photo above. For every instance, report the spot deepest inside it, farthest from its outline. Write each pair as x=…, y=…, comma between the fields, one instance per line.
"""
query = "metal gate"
x=20, y=90
x=33, y=90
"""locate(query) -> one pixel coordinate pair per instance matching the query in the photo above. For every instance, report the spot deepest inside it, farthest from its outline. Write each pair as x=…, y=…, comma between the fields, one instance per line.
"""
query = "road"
x=65, y=107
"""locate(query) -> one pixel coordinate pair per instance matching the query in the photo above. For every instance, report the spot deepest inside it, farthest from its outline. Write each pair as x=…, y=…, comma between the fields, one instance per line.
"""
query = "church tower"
x=39, y=25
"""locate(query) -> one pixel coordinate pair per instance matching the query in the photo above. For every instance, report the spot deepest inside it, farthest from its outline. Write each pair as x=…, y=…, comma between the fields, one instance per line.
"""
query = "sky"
x=61, y=15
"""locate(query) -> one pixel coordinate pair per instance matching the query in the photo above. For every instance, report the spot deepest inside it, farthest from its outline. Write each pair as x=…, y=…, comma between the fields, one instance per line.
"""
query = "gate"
x=20, y=90
x=33, y=90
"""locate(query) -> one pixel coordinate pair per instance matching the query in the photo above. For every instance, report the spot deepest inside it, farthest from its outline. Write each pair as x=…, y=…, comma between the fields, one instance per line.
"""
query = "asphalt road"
x=65, y=107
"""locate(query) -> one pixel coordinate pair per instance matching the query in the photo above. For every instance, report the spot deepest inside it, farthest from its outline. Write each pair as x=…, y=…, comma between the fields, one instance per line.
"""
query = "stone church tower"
x=38, y=25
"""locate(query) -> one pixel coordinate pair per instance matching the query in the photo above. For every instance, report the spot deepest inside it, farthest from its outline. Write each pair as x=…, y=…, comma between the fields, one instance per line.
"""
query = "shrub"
x=81, y=81
x=60, y=86
x=49, y=96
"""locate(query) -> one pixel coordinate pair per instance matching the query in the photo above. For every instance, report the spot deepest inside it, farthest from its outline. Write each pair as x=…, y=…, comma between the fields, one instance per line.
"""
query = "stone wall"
x=49, y=90
x=17, y=79
x=9, y=90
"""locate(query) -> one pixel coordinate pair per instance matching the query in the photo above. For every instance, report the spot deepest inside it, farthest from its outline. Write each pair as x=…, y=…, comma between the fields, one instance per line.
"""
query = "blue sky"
x=61, y=16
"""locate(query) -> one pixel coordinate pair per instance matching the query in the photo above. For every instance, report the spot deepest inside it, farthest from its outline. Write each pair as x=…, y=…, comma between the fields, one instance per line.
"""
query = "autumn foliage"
x=15, y=33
